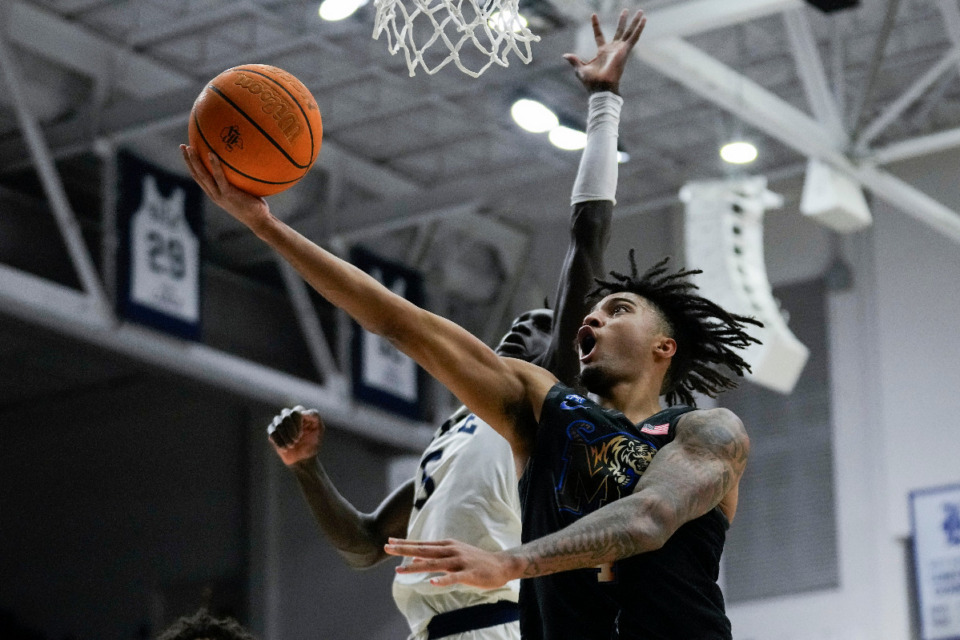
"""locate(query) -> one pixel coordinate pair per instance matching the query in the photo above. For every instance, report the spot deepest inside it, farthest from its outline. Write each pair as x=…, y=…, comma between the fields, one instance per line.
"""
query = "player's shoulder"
x=715, y=424
x=535, y=378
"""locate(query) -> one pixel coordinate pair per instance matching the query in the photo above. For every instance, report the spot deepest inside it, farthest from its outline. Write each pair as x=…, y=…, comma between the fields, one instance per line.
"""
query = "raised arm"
x=297, y=436
x=686, y=479
x=498, y=390
x=594, y=190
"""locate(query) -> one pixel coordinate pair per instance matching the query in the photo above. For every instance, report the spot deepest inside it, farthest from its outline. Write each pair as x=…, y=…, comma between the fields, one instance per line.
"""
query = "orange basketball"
x=262, y=123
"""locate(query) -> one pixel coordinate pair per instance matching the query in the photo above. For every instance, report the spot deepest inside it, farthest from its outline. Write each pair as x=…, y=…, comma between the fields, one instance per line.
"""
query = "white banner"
x=165, y=269
x=159, y=250
x=936, y=538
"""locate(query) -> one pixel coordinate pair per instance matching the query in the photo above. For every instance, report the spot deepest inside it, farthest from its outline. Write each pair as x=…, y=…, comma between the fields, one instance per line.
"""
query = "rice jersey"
x=467, y=490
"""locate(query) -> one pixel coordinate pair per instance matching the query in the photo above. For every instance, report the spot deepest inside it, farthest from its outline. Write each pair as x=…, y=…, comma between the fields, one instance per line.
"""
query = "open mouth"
x=587, y=340
x=511, y=345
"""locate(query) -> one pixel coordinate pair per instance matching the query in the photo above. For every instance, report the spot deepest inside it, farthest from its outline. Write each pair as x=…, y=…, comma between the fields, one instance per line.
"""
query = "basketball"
x=263, y=125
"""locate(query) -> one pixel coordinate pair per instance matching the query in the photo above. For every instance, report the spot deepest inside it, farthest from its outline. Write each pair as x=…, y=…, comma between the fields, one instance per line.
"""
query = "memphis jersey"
x=586, y=457
x=467, y=491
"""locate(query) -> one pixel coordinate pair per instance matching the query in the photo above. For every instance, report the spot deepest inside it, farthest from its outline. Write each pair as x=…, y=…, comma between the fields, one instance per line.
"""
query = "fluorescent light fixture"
x=567, y=138
x=739, y=152
x=502, y=19
x=334, y=10
x=533, y=116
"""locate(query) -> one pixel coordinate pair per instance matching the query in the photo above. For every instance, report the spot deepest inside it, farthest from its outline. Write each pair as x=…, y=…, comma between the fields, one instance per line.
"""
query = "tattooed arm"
x=687, y=478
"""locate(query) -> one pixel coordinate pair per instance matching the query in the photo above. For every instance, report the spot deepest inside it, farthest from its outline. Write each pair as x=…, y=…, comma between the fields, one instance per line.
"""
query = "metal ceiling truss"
x=159, y=90
x=733, y=91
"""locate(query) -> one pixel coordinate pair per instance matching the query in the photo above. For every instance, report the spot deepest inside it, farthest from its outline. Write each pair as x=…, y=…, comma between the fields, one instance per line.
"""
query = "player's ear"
x=665, y=347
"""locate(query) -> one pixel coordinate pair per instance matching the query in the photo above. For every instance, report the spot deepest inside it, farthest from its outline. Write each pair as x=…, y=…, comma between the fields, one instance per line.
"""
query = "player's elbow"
x=361, y=561
x=655, y=521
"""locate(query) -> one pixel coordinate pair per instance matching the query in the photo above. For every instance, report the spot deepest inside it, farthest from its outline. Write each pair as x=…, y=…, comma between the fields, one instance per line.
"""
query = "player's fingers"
x=279, y=437
x=574, y=60
x=446, y=579
x=417, y=550
x=275, y=421
x=423, y=543
x=197, y=170
x=597, y=31
x=636, y=28
x=429, y=565
x=621, y=25
x=216, y=170
x=290, y=429
x=283, y=429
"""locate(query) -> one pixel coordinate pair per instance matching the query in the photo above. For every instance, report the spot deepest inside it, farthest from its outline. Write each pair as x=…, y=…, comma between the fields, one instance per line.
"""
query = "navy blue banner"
x=383, y=376
x=159, y=233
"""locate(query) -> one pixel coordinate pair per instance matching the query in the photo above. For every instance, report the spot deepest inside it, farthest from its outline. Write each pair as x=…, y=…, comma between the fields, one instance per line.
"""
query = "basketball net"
x=484, y=30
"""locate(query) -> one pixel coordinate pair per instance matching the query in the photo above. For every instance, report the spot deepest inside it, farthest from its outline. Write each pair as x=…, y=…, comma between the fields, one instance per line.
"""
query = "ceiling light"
x=333, y=10
x=623, y=157
x=739, y=152
x=567, y=138
x=533, y=116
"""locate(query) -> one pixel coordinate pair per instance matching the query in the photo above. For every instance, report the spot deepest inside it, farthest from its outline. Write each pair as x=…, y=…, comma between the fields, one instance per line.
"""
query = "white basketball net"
x=485, y=31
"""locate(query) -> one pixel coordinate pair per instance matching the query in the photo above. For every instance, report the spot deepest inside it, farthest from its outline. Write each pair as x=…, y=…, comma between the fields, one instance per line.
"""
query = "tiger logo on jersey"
x=596, y=472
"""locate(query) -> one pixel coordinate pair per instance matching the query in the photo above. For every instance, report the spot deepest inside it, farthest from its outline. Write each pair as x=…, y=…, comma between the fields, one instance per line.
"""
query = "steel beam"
x=66, y=311
x=896, y=108
x=951, y=19
x=312, y=331
x=806, y=55
x=725, y=87
x=199, y=21
x=915, y=147
x=52, y=185
x=684, y=19
x=70, y=45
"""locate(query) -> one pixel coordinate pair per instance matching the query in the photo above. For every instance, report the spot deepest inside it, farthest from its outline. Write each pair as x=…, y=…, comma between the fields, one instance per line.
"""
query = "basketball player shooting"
x=625, y=505
x=466, y=485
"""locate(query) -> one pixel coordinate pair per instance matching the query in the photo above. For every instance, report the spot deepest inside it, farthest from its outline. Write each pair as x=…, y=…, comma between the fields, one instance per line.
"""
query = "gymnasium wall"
x=119, y=504
x=160, y=486
x=894, y=375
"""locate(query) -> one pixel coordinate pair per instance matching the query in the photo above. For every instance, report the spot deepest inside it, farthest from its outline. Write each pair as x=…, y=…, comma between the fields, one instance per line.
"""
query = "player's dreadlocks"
x=705, y=333
x=203, y=626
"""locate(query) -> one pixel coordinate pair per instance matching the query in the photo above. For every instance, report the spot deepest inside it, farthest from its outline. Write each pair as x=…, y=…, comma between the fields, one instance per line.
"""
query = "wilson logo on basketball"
x=230, y=136
x=274, y=105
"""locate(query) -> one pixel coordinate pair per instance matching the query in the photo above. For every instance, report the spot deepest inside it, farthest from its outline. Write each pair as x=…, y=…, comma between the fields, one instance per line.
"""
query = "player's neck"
x=636, y=400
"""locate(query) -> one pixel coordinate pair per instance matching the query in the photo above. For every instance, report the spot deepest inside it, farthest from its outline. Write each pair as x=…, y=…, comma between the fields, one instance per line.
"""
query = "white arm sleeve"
x=597, y=175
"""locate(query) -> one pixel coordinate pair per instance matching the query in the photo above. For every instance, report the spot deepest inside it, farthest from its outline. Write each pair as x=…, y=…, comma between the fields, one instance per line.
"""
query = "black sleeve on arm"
x=589, y=234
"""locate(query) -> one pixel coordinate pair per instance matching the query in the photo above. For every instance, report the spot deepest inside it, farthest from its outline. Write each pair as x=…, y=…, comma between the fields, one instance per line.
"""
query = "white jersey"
x=467, y=491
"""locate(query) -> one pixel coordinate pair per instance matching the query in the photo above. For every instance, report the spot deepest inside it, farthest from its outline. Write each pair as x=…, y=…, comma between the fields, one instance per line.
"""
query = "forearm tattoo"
x=686, y=479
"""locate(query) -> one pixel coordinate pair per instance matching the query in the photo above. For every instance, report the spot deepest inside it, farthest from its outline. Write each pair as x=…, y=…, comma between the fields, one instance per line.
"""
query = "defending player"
x=664, y=506
x=467, y=484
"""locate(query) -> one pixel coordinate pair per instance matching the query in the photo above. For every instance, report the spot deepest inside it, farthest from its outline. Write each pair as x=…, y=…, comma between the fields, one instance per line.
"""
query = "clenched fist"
x=296, y=434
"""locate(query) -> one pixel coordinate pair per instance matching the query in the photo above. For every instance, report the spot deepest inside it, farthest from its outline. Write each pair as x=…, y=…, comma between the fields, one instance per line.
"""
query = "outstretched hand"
x=458, y=562
x=248, y=209
x=603, y=72
x=296, y=434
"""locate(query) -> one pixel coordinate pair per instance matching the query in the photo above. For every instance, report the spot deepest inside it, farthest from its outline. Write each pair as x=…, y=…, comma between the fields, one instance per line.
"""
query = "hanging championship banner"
x=159, y=227
x=936, y=545
x=381, y=374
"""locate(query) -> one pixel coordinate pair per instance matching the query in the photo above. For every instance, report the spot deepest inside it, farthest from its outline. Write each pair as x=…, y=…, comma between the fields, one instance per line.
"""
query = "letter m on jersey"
x=595, y=472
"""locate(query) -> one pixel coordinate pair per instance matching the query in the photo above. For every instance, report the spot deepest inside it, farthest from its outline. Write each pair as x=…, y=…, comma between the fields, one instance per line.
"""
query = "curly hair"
x=203, y=626
x=706, y=334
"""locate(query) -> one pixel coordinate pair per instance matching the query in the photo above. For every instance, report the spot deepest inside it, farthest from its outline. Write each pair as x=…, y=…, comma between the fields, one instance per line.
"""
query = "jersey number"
x=427, y=484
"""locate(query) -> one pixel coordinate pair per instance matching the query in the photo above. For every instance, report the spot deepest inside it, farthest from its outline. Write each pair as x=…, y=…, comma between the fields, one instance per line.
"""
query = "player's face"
x=529, y=335
x=617, y=340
